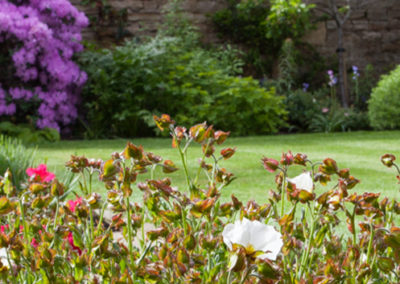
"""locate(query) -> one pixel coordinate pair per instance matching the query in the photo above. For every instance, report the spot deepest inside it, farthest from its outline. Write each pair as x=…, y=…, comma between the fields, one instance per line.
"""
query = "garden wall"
x=372, y=35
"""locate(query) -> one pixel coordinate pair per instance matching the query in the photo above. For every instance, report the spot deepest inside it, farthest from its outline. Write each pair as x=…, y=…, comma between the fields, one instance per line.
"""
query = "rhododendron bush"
x=38, y=39
x=312, y=228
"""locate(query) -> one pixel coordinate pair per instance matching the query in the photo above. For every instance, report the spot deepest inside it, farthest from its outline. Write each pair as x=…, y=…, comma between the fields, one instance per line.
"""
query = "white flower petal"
x=260, y=236
x=3, y=257
x=237, y=233
x=303, y=181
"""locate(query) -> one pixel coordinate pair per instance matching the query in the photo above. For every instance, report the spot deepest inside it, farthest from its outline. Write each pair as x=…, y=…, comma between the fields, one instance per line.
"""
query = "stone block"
x=378, y=25
x=331, y=25
x=135, y=17
x=317, y=36
x=135, y=6
x=376, y=14
x=394, y=13
x=358, y=25
x=205, y=7
x=371, y=36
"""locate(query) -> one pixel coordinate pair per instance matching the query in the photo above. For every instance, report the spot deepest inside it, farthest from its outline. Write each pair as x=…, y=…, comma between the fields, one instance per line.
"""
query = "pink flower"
x=269, y=164
x=40, y=173
x=34, y=243
x=3, y=228
x=70, y=239
x=73, y=203
x=287, y=158
x=325, y=110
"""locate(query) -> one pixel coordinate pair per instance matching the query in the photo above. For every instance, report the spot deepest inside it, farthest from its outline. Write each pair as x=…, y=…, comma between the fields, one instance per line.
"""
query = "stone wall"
x=145, y=16
x=372, y=35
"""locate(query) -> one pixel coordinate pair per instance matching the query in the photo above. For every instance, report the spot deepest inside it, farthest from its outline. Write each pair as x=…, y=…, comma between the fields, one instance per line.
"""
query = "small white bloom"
x=3, y=257
x=254, y=234
x=303, y=182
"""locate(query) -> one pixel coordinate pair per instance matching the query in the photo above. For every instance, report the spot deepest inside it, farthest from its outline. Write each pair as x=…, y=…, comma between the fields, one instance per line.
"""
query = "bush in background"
x=169, y=74
x=384, y=105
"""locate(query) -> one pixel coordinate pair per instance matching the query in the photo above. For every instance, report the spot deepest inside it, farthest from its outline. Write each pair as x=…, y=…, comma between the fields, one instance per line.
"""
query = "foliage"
x=28, y=134
x=39, y=79
x=15, y=158
x=362, y=85
x=317, y=112
x=288, y=19
x=166, y=74
x=336, y=236
x=302, y=107
x=263, y=27
x=385, y=102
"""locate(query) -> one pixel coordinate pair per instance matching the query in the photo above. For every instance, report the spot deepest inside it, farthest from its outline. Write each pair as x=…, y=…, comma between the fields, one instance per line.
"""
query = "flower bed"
x=296, y=237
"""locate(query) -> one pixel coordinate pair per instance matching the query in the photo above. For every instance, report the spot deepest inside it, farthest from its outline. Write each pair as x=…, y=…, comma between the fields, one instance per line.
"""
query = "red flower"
x=70, y=239
x=40, y=174
x=34, y=243
x=3, y=228
x=73, y=203
x=269, y=164
x=287, y=158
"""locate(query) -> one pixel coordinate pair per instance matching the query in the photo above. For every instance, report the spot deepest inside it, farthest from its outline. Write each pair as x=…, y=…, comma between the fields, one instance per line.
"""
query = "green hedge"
x=166, y=75
x=384, y=104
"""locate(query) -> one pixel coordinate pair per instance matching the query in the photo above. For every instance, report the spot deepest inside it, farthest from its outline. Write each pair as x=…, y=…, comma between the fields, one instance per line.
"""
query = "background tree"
x=340, y=11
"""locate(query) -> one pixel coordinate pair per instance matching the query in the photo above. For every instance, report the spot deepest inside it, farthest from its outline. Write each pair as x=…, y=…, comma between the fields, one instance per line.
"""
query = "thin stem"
x=23, y=218
x=128, y=208
x=370, y=242
x=245, y=276
x=201, y=161
x=283, y=193
x=101, y=216
x=182, y=155
x=309, y=243
x=55, y=218
x=144, y=253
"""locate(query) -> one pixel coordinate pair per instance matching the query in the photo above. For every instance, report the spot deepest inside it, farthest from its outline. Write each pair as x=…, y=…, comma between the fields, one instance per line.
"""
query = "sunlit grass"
x=359, y=151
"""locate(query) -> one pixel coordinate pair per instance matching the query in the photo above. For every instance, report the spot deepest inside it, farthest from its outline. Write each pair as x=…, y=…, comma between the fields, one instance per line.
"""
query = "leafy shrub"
x=16, y=158
x=166, y=74
x=288, y=19
x=28, y=134
x=302, y=107
x=384, y=105
x=39, y=79
x=195, y=236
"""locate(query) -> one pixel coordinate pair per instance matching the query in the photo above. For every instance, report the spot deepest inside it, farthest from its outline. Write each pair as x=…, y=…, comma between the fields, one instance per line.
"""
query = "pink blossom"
x=34, y=243
x=4, y=227
x=325, y=110
x=40, y=173
x=70, y=239
x=73, y=203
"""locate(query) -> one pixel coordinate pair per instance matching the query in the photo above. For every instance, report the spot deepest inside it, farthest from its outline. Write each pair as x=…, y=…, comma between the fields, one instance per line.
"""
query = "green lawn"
x=359, y=151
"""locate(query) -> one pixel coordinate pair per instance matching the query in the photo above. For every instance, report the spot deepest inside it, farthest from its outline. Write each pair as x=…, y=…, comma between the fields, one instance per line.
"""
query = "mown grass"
x=359, y=151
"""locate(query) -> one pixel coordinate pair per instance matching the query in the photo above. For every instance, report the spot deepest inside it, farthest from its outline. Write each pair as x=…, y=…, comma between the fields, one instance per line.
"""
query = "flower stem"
x=183, y=158
x=370, y=242
x=201, y=161
x=283, y=193
x=56, y=216
x=128, y=208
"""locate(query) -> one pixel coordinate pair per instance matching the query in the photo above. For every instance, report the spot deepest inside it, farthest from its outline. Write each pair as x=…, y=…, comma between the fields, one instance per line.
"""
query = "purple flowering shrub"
x=38, y=40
